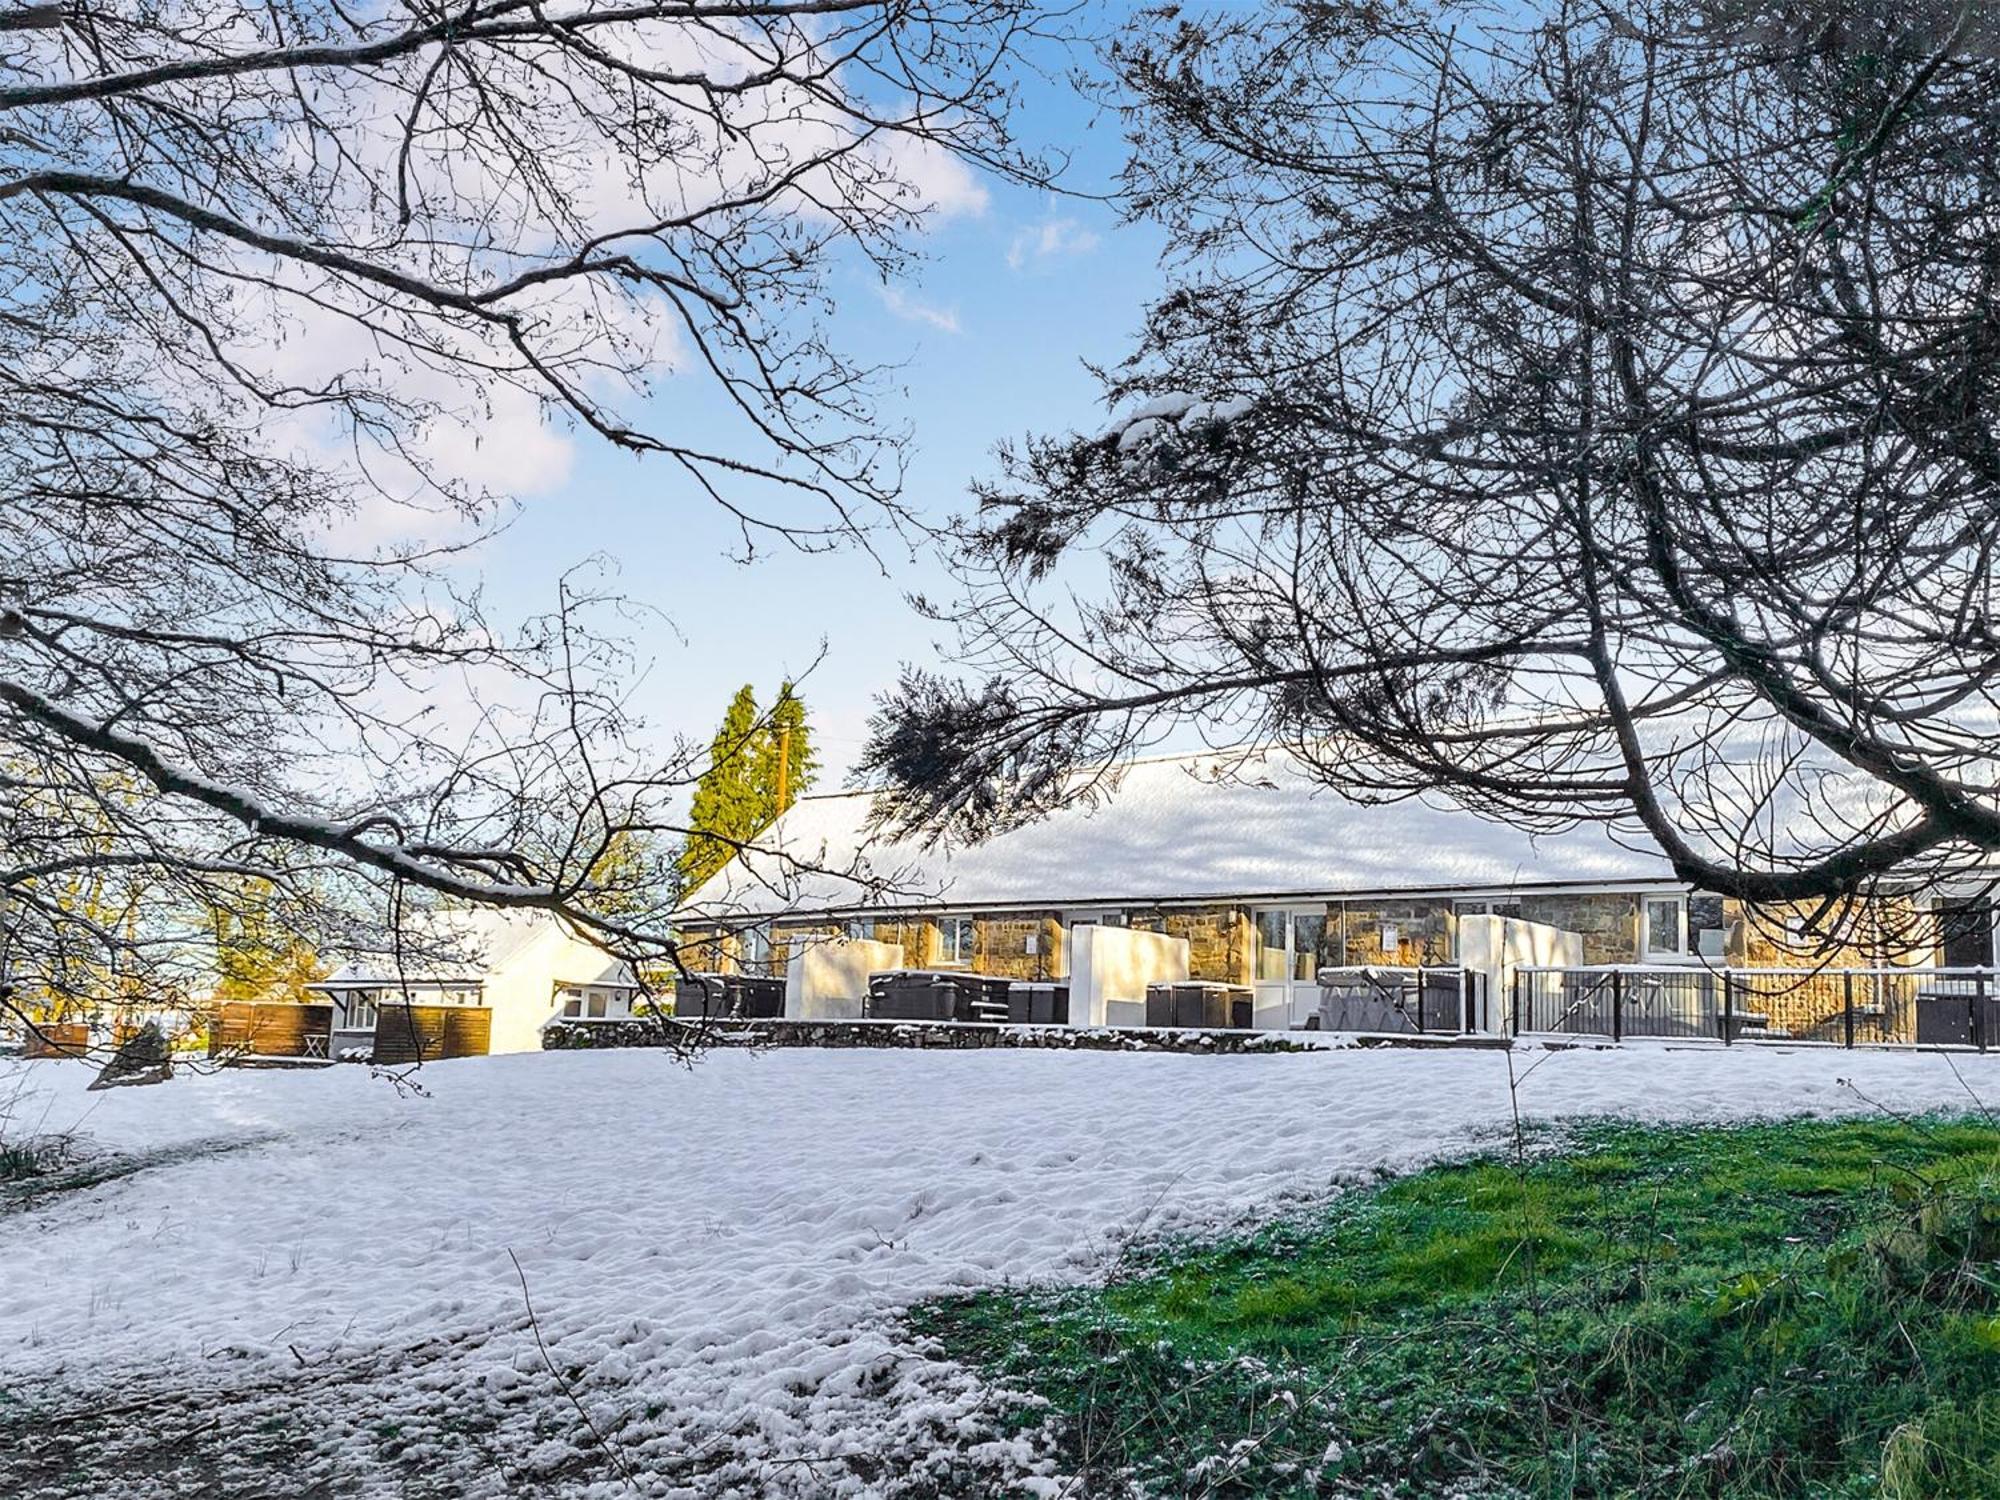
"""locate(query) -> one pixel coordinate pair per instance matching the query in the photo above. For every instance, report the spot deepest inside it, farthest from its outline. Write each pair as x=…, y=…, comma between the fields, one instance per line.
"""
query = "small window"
x=595, y=1002
x=360, y=1011
x=956, y=940
x=857, y=930
x=1965, y=934
x=757, y=948
x=572, y=1000
x=1666, y=927
x=1708, y=928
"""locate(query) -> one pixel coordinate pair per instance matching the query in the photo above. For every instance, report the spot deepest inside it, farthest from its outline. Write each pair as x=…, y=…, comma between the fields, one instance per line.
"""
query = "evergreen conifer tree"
x=759, y=765
x=784, y=764
x=727, y=810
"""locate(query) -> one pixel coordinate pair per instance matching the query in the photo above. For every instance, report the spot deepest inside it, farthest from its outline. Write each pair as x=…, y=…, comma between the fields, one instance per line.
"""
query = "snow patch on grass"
x=717, y=1257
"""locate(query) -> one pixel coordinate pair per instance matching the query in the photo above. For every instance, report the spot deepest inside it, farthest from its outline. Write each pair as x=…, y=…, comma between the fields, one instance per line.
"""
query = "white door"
x=1290, y=943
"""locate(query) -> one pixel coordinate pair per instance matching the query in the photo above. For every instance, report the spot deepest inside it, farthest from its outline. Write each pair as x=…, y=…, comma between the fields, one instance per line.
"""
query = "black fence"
x=1845, y=1007
x=1382, y=998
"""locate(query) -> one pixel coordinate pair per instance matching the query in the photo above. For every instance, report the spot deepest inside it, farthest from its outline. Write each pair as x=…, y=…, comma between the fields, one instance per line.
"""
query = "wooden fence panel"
x=271, y=1029
x=406, y=1034
x=59, y=1039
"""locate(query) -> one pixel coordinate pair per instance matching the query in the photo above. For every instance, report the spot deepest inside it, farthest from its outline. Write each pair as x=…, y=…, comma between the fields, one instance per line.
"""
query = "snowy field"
x=324, y=1270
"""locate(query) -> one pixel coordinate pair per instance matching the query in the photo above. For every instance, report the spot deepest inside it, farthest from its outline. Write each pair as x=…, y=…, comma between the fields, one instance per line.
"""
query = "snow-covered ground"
x=715, y=1255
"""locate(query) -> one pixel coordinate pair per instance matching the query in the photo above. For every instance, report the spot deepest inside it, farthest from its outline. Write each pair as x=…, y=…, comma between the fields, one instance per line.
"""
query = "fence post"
x=1519, y=975
x=1847, y=993
x=1420, y=999
x=1617, y=1005
x=1728, y=1008
x=1979, y=1013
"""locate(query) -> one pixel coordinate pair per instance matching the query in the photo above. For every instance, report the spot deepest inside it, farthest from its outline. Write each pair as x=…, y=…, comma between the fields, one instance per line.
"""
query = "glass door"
x=1291, y=945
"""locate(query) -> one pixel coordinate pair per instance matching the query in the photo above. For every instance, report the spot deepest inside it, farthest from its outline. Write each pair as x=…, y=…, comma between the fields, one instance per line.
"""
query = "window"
x=857, y=929
x=956, y=938
x=1273, y=962
x=1308, y=943
x=589, y=1002
x=1665, y=921
x=359, y=1011
x=1489, y=908
x=1708, y=932
x=1965, y=932
x=756, y=948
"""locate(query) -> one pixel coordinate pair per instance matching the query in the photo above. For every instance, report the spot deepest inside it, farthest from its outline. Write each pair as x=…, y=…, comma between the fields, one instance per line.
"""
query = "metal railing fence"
x=1440, y=999
x=1848, y=1007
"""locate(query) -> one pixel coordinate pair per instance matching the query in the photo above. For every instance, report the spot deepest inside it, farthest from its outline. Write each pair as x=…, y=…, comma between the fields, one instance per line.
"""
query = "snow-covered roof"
x=1172, y=830
x=465, y=947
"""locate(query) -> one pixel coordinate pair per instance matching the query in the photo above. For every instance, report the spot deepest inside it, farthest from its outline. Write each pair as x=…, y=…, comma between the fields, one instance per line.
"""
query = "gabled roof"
x=450, y=947
x=1175, y=828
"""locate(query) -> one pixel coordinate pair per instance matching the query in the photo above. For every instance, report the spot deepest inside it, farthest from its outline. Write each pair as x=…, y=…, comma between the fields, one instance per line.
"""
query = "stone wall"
x=1220, y=940
x=918, y=937
x=784, y=940
x=1424, y=931
x=1608, y=922
x=1001, y=943
x=708, y=950
x=1872, y=933
x=569, y=1036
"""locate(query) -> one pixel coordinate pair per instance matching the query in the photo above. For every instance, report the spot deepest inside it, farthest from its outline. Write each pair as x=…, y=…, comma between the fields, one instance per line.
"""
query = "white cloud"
x=1048, y=240
x=912, y=310
x=942, y=180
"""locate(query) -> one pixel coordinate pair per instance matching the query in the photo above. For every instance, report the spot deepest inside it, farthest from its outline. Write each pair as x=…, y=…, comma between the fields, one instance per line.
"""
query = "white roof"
x=1171, y=831
x=466, y=947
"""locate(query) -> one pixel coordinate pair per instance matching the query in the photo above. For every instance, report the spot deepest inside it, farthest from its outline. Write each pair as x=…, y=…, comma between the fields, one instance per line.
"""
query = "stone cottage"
x=1268, y=876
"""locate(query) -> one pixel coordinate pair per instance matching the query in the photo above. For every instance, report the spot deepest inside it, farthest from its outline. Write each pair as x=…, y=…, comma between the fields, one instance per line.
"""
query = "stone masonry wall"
x=1874, y=934
x=918, y=936
x=707, y=950
x=1219, y=940
x=1608, y=922
x=1425, y=931
x=784, y=939
x=1000, y=945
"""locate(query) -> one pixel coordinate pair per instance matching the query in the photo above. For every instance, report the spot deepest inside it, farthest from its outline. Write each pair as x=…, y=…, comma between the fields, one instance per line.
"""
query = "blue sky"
x=991, y=333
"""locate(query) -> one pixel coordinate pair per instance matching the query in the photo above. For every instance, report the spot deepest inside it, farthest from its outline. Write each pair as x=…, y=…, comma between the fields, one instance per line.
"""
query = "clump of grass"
x=1780, y=1310
x=26, y=1158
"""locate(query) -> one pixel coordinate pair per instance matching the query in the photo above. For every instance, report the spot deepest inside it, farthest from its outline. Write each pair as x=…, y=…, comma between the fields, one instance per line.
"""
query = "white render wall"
x=521, y=987
x=1110, y=968
x=828, y=980
x=518, y=959
x=1497, y=946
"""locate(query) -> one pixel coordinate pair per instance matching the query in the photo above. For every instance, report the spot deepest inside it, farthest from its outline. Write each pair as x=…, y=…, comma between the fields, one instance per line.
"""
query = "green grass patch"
x=1803, y=1309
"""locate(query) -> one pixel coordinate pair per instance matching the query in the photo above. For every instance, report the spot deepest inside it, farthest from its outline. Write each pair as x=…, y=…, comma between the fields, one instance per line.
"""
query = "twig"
x=534, y=1326
x=1978, y=1103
